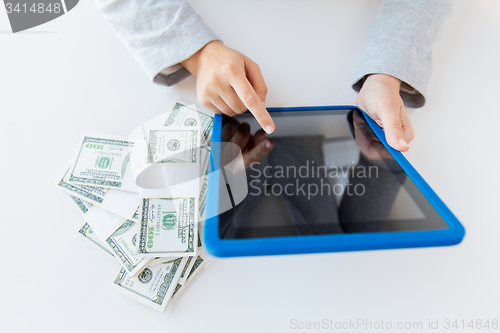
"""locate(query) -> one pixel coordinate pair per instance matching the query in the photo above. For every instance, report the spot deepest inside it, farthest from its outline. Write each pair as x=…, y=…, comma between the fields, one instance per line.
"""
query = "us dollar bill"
x=82, y=205
x=205, y=160
x=174, y=145
x=203, y=197
x=185, y=271
x=123, y=243
x=136, y=215
x=184, y=115
x=199, y=263
x=169, y=227
x=101, y=160
x=87, y=234
x=91, y=194
x=189, y=264
x=195, y=267
x=154, y=285
x=117, y=201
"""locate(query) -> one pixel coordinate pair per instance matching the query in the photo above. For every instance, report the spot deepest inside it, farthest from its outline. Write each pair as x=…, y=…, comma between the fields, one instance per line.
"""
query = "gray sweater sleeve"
x=159, y=33
x=400, y=45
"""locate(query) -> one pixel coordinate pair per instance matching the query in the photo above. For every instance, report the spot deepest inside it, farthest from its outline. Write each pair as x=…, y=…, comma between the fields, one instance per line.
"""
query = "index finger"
x=249, y=97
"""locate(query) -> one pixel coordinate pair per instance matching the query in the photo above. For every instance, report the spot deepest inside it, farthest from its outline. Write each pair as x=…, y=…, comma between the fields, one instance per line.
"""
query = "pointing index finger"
x=249, y=97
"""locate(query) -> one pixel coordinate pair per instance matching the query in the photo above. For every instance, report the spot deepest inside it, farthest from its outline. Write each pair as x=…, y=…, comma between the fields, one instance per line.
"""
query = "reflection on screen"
x=326, y=173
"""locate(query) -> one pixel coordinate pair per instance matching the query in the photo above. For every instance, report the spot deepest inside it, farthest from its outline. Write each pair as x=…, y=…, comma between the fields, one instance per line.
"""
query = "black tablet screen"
x=325, y=173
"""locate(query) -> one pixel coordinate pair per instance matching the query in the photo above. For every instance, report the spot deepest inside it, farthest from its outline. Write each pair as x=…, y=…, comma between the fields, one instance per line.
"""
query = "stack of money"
x=143, y=199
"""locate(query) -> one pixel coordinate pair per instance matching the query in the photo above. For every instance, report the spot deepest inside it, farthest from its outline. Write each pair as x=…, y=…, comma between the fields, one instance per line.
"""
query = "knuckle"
x=230, y=69
x=240, y=110
x=262, y=90
x=395, y=127
x=211, y=80
x=226, y=110
x=255, y=65
x=204, y=92
x=205, y=101
x=249, y=99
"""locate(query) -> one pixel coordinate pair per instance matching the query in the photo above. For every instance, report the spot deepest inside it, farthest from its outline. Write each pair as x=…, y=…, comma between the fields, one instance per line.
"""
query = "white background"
x=73, y=75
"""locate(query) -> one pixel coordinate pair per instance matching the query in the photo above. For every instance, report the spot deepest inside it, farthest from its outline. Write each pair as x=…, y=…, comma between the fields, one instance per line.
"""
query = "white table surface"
x=73, y=75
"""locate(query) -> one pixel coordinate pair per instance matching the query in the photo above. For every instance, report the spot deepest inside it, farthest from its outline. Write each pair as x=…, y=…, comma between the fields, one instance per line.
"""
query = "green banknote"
x=101, y=161
x=135, y=218
x=198, y=264
x=203, y=197
x=189, y=273
x=83, y=206
x=88, y=234
x=183, y=115
x=169, y=227
x=154, y=285
x=123, y=243
x=173, y=145
x=91, y=194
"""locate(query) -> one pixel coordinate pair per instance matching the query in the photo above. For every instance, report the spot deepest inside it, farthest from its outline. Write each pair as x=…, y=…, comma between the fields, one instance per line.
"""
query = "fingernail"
x=264, y=102
x=269, y=129
x=403, y=143
x=268, y=144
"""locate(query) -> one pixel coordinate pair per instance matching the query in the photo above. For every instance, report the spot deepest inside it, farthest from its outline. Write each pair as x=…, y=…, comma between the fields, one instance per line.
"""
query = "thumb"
x=391, y=122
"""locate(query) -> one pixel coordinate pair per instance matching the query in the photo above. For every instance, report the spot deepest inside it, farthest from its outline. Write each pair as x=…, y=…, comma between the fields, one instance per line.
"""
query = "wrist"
x=385, y=79
x=192, y=64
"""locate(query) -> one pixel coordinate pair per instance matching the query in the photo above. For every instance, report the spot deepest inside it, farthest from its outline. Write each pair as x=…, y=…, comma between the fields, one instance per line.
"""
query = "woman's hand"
x=379, y=97
x=229, y=82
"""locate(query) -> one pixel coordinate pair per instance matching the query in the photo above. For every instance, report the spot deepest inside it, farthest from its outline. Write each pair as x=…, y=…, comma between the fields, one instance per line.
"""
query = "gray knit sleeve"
x=159, y=33
x=400, y=44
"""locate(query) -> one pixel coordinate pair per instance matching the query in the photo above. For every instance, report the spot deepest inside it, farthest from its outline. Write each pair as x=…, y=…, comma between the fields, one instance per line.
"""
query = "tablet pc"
x=330, y=183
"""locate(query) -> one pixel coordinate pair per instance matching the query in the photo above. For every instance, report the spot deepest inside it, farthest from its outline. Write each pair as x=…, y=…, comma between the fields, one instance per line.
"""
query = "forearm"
x=160, y=34
x=400, y=45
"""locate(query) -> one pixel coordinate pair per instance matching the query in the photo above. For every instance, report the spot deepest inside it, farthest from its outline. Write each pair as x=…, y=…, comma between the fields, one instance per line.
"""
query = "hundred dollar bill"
x=169, y=227
x=92, y=194
x=101, y=160
x=200, y=237
x=203, y=197
x=184, y=115
x=174, y=145
x=123, y=244
x=154, y=285
x=103, y=222
x=185, y=271
x=117, y=201
x=195, y=267
x=135, y=217
x=205, y=160
x=87, y=234
x=82, y=205
x=162, y=260
x=200, y=261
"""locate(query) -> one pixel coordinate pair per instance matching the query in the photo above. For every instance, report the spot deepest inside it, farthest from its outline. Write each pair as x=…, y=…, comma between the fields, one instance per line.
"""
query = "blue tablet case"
x=332, y=242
